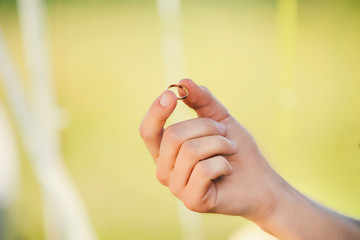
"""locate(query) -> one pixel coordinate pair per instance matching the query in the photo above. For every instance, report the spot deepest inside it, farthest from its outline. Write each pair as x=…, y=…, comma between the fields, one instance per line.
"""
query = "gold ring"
x=182, y=88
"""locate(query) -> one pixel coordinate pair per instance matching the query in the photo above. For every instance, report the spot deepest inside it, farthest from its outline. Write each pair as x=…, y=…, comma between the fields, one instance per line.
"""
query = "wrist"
x=297, y=217
x=282, y=220
x=274, y=203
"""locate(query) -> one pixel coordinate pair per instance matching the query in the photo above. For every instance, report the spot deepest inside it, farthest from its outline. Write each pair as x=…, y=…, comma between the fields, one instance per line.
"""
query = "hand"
x=210, y=163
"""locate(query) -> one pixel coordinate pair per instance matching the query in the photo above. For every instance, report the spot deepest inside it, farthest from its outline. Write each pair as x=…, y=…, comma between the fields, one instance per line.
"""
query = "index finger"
x=152, y=126
x=203, y=102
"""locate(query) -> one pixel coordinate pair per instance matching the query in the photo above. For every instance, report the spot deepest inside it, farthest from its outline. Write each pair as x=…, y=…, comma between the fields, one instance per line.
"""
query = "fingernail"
x=220, y=127
x=165, y=100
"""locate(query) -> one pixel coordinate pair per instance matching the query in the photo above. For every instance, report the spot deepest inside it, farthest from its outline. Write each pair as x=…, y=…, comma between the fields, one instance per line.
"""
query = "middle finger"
x=175, y=135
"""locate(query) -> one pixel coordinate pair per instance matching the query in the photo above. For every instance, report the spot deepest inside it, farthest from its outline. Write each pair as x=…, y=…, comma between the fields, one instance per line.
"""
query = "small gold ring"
x=182, y=88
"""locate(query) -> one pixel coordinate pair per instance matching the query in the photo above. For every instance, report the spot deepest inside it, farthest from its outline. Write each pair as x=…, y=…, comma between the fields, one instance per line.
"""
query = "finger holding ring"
x=183, y=88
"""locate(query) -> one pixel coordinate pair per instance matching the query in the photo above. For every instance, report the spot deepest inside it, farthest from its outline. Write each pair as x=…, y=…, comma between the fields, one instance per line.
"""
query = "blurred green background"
x=108, y=68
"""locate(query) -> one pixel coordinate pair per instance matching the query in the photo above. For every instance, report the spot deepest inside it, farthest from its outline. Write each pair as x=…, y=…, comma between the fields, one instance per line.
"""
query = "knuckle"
x=222, y=141
x=145, y=135
x=205, y=89
x=194, y=205
x=207, y=121
x=142, y=130
x=211, y=123
x=162, y=178
x=226, y=144
x=190, y=204
x=203, y=169
x=191, y=147
x=174, y=189
x=172, y=133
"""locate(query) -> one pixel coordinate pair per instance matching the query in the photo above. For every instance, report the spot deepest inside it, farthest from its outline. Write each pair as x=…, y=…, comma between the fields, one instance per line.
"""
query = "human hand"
x=211, y=163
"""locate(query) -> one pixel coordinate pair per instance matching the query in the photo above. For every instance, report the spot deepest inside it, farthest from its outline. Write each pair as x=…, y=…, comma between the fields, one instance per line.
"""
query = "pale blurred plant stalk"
x=65, y=214
x=9, y=171
x=286, y=21
x=174, y=70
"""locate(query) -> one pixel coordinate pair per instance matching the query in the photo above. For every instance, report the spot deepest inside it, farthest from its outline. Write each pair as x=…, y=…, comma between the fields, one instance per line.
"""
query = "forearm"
x=297, y=217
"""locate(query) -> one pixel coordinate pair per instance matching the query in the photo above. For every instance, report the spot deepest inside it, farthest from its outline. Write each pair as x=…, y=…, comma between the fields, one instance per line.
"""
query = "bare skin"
x=212, y=164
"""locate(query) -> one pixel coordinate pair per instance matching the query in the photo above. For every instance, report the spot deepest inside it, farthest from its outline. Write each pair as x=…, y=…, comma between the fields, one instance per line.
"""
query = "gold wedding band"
x=182, y=88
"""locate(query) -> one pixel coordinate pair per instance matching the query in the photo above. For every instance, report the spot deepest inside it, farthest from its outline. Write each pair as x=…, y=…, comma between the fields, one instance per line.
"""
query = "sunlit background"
x=287, y=70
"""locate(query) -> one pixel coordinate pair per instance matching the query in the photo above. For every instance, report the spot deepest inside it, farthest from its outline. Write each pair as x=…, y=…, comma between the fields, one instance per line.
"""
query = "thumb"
x=203, y=102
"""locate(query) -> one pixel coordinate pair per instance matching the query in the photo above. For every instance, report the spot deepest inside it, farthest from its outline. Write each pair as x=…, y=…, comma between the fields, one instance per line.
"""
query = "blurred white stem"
x=39, y=130
x=287, y=21
x=172, y=45
x=9, y=161
x=63, y=205
x=32, y=20
x=61, y=198
x=9, y=171
x=13, y=90
x=174, y=63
